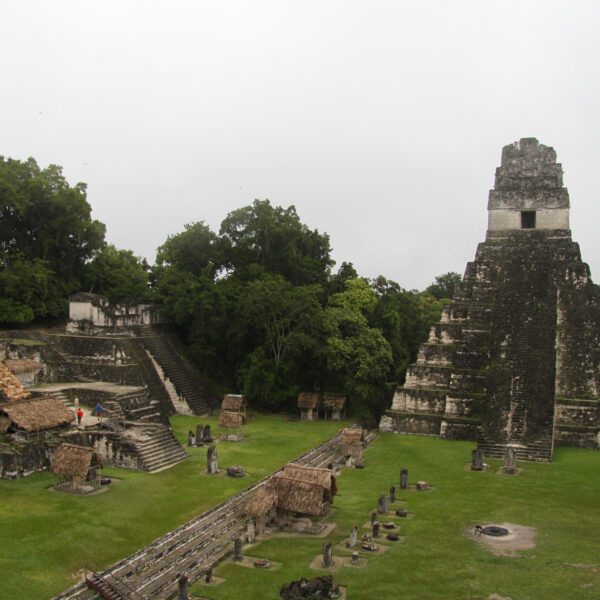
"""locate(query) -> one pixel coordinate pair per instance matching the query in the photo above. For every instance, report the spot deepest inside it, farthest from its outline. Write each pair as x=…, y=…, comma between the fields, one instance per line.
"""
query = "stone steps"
x=199, y=544
x=185, y=379
x=160, y=450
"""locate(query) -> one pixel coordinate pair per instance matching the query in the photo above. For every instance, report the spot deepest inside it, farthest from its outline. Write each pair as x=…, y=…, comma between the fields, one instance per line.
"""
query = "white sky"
x=381, y=121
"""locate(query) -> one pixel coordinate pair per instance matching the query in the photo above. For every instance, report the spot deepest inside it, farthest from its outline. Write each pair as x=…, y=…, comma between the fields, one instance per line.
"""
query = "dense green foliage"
x=261, y=311
x=47, y=537
x=258, y=305
x=47, y=238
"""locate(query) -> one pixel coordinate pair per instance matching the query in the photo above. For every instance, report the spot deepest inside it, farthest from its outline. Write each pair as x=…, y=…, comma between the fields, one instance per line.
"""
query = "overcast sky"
x=381, y=121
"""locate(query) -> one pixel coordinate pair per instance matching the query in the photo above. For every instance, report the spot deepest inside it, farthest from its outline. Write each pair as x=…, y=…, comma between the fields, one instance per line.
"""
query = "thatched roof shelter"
x=37, y=414
x=352, y=437
x=233, y=402
x=308, y=400
x=231, y=420
x=334, y=402
x=326, y=478
x=261, y=502
x=74, y=461
x=11, y=386
x=22, y=365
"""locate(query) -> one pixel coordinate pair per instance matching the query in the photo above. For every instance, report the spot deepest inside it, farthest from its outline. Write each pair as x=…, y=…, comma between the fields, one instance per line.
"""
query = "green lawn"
x=46, y=537
x=435, y=559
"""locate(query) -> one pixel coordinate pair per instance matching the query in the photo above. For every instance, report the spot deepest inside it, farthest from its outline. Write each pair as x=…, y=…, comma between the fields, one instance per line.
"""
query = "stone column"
x=208, y=576
x=477, y=460
x=183, y=584
x=206, y=437
x=393, y=494
x=191, y=438
x=238, y=549
x=376, y=526
x=212, y=460
x=353, y=537
x=373, y=517
x=328, y=555
x=199, y=434
x=510, y=461
x=250, y=532
x=404, y=479
x=382, y=504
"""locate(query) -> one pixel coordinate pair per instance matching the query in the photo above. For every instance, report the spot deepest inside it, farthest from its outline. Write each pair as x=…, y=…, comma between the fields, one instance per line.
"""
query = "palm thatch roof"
x=261, y=502
x=300, y=496
x=11, y=386
x=233, y=402
x=326, y=478
x=296, y=488
x=22, y=365
x=334, y=402
x=352, y=437
x=231, y=420
x=37, y=414
x=74, y=461
x=308, y=399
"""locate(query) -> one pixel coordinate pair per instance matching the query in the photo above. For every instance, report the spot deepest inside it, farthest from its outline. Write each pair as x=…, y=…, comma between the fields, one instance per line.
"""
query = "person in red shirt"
x=79, y=414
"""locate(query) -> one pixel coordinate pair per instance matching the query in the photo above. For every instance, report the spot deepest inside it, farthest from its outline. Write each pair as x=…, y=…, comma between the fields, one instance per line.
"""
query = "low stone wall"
x=87, y=370
x=113, y=450
x=411, y=423
x=579, y=437
x=22, y=458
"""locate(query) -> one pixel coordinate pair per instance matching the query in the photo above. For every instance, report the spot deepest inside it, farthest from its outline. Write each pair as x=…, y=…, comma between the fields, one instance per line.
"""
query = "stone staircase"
x=196, y=546
x=539, y=450
x=188, y=383
x=157, y=448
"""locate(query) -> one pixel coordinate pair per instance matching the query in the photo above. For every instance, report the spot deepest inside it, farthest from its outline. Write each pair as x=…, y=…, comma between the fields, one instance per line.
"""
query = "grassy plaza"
x=48, y=537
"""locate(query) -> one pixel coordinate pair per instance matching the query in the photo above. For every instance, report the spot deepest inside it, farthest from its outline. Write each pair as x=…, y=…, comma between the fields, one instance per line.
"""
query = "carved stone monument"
x=404, y=479
x=510, y=462
x=238, y=549
x=199, y=441
x=393, y=494
x=477, y=460
x=191, y=438
x=250, y=531
x=183, y=586
x=383, y=504
x=376, y=526
x=212, y=460
x=353, y=537
x=328, y=555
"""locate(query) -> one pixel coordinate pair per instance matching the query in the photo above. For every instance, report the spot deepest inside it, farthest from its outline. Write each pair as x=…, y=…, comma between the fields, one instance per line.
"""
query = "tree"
x=275, y=239
x=444, y=285
x=359, y=358
x=192, y=250
x=46, y=237
x=117, y=274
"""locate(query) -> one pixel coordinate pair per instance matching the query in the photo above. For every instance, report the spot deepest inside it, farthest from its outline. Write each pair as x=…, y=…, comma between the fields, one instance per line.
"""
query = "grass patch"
x=436, y=560
x=46, y=537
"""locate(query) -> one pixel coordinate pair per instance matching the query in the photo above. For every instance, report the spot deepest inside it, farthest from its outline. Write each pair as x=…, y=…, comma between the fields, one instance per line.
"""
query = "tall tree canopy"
x=262, y=313
x=46, y=237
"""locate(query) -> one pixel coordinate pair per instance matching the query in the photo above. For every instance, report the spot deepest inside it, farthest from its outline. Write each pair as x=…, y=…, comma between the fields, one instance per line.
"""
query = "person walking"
x=79, y=414
x=99, y=412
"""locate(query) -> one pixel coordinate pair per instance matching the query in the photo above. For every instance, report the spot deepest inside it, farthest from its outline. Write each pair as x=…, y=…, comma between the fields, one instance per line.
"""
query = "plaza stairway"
x=196, y=546
x=158, y=448
x=187, y=382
